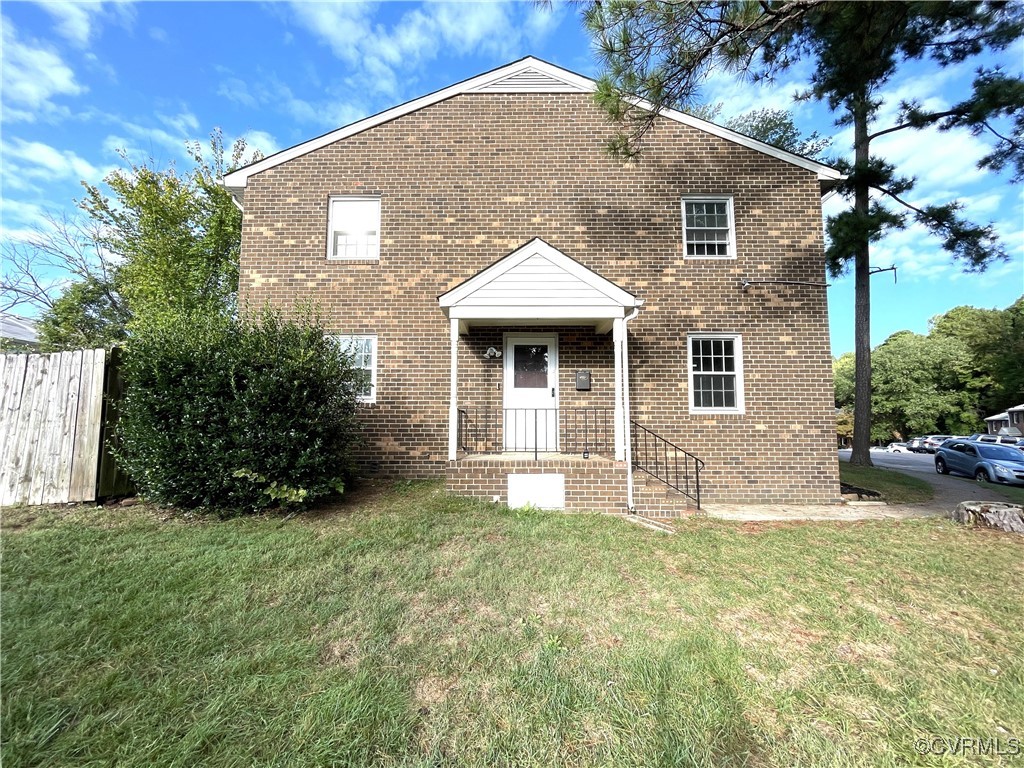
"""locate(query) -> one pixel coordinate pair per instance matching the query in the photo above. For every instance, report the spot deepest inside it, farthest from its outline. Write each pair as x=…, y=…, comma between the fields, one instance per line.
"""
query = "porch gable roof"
x=538, y=282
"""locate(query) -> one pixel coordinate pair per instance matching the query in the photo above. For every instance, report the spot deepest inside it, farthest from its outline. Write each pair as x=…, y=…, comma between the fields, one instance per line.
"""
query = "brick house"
x=543, y=323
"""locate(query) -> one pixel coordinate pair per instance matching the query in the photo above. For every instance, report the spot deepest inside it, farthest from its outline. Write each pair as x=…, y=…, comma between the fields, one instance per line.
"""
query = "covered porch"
x=538, y=408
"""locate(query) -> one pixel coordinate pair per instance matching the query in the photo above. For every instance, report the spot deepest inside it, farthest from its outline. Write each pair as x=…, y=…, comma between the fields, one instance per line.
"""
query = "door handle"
x=552, y=391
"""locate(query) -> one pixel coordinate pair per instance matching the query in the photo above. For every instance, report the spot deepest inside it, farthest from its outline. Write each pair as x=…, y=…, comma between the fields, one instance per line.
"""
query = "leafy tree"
x=776, y=127
x=657, y=54
x=160, y=242
x=772, y=126
x=844, y=427
x=84, y=315
x=995, y=339
x=843, y=368
x=923, y=385
x=176, y=237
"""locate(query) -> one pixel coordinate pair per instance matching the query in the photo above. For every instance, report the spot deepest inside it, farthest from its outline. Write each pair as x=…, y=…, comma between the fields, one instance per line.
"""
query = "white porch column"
x=453, y=407
x=618, y=337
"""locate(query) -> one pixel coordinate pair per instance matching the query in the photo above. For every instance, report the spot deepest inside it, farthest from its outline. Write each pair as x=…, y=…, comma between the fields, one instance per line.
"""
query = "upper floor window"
x=353, y=228
x=363, y=349
x=708, y=228
x=716, y=373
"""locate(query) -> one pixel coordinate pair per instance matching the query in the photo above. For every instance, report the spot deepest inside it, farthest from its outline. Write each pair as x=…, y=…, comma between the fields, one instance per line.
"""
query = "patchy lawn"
x=895, y=487
x=411, y=628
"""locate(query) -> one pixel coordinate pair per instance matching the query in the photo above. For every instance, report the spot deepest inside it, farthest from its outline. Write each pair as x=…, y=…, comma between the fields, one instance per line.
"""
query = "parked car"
x=996, y=439
x=932, y=442
x=916, y=445
x=982, y=461
x=897, y=448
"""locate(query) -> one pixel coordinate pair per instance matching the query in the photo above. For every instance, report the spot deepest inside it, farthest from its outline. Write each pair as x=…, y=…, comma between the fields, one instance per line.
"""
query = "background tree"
x=995, y=339
x=159, y=241
x=657, y=54
x=843, y=376
x=776, y=127
x=923, y=385
x=772, y=126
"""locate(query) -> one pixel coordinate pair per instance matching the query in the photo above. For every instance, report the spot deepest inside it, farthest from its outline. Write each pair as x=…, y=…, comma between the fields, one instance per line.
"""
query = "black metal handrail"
x=661, y=460
x=580, y=431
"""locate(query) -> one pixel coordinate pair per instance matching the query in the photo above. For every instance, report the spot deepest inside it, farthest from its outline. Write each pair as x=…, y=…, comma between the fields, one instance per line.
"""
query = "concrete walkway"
x=949, y=491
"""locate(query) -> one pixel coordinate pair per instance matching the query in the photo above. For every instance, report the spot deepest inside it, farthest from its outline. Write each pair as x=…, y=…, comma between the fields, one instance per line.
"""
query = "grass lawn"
x=895, y=487
x=410, y=628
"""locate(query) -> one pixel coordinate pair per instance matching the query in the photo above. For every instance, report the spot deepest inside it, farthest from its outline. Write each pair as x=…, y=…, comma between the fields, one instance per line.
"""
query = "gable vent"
x=528, y=81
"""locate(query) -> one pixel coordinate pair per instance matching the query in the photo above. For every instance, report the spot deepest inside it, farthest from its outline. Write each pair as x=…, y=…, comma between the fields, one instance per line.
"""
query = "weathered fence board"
x=50, y=433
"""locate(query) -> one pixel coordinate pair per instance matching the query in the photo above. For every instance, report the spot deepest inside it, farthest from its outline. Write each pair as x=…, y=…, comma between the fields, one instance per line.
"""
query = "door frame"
x=508, y=377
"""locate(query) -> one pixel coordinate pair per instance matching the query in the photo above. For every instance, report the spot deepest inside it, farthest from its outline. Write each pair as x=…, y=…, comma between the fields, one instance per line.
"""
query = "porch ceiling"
x=538, y=285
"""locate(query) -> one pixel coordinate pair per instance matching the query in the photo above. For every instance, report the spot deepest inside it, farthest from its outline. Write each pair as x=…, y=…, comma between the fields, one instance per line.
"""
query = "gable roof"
x=528, y=75
x=537, y=282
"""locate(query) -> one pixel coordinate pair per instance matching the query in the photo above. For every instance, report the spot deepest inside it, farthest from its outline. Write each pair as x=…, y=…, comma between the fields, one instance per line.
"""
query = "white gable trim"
x=532, y=80
x=622, y=299
x=524, y=76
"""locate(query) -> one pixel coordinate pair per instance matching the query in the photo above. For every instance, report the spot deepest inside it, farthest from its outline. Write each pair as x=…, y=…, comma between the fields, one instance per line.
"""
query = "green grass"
x=895, y=487
x=1013, y=493
x=411, y=628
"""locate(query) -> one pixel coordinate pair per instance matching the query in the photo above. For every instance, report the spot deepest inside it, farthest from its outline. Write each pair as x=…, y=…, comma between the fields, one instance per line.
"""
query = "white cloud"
x=260, y=140
x=41, y=161
x=77, y=21
x=384, y=60
x=33, y=74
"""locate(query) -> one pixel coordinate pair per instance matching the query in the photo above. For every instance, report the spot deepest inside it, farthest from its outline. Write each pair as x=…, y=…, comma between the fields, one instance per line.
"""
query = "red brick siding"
x=466, y=181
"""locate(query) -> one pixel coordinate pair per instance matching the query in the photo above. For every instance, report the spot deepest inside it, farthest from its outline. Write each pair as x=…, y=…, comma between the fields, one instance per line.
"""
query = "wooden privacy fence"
x=52, y=427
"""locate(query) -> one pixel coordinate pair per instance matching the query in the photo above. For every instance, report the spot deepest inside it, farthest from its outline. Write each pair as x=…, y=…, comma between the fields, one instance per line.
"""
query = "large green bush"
x=237, y=415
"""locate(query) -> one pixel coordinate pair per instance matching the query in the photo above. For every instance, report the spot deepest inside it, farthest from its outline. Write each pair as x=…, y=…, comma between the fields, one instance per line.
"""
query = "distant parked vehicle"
x=932, y=442
x=985, y=462
x=995, y=439
x=897, y=448
x=916, y=445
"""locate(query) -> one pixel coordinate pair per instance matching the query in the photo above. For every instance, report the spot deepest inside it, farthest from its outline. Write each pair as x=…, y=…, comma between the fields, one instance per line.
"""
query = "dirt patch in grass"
x=341, y=652
x=430, y=692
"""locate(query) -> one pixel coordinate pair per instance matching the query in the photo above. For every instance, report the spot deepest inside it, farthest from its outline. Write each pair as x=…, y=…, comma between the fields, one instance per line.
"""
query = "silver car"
x=982, y=461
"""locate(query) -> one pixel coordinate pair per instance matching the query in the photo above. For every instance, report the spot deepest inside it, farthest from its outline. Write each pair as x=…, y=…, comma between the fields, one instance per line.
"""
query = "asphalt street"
x=949, y=489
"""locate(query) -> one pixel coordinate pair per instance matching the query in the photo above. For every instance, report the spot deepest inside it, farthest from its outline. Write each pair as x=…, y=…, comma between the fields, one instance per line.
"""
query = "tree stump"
x=990, y=514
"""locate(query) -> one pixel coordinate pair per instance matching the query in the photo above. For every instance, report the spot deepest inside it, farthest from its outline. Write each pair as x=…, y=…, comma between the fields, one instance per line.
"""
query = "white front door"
x=531, y=392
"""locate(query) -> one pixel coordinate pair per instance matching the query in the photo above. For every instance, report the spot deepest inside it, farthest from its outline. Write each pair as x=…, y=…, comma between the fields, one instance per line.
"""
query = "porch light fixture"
x=491, y=352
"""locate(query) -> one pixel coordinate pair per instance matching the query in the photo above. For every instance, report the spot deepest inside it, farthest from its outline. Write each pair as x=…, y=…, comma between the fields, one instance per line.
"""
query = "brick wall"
x=465, y=181
x=590, y=485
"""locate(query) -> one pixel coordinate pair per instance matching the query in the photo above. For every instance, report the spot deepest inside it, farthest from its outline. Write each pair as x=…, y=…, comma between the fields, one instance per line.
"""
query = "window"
x=708, y=228
x=716, y=373
x=353, y=228
x=364, y=358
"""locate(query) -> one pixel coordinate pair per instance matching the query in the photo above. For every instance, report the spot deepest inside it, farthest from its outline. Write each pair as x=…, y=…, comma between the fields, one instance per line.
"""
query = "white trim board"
x=527, y=75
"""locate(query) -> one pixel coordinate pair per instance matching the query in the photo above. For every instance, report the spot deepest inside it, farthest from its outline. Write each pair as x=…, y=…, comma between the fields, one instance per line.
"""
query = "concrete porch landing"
x=835, y=512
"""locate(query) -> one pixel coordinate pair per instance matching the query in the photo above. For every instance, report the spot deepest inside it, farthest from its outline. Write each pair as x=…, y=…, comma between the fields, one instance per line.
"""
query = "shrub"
x=236, y=415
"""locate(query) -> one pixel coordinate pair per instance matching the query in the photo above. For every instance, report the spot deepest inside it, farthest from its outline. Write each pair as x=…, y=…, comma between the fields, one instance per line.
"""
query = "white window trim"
x=340, y=337
x=737, y=340
x=732, y=223
x=330, y=227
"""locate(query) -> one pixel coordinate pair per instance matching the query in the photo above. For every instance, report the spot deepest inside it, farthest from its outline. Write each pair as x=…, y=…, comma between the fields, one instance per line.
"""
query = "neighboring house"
x=17, y=333
x=1010, y=422
x=538, y=318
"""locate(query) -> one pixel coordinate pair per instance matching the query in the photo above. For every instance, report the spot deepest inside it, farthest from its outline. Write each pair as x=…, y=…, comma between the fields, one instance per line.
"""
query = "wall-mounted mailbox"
x=582, y=381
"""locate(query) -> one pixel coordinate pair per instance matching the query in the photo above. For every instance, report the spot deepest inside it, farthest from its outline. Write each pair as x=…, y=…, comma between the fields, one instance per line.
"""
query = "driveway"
x=950, y=490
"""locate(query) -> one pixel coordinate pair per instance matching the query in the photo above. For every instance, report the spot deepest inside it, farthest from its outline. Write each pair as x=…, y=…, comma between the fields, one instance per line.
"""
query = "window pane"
x=355, y=227
x=530, y=366
x=707, y=227
x=714, y=366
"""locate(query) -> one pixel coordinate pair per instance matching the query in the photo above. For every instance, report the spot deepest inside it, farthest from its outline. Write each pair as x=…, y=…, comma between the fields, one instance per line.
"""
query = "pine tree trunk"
x=862, y=294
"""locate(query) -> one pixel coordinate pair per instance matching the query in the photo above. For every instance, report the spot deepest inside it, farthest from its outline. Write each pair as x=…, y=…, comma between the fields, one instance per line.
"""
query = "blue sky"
x=82, y=80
